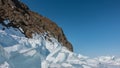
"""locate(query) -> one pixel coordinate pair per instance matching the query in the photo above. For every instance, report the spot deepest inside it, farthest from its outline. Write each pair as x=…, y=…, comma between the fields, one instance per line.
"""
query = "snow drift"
x=42, y=51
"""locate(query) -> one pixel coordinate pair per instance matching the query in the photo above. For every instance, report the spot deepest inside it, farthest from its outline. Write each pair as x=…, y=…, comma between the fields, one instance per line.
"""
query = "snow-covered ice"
x=17, y=51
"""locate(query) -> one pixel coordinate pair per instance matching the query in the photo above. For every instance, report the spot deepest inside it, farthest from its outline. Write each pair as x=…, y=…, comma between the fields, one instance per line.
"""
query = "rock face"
x=20, y=16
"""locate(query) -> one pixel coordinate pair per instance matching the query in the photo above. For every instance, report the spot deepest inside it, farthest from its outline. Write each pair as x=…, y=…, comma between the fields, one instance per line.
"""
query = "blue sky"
x=92, y=26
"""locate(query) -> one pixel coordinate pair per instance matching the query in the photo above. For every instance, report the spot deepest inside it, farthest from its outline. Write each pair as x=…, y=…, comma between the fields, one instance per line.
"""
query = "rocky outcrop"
x=20, y=16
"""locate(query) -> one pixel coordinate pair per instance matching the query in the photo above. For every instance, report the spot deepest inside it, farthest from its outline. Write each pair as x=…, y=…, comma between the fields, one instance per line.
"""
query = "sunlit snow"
x=17, y=51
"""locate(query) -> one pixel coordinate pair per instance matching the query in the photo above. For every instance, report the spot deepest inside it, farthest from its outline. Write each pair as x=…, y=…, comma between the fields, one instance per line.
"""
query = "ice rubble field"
x=17, y=51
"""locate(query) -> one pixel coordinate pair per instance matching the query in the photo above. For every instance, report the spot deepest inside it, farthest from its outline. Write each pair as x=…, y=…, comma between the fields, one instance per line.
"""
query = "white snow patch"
x=4, y=65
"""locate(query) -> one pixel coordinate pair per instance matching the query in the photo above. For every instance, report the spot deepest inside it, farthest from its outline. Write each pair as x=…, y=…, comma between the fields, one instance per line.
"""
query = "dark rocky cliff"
x=21, y=16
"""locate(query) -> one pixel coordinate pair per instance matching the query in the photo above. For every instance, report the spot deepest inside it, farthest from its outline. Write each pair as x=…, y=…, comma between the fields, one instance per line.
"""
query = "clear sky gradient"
x=92, y=26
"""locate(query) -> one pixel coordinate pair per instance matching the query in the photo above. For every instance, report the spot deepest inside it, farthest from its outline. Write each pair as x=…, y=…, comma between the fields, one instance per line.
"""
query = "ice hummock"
x=17, y=51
